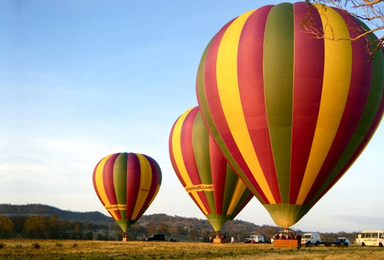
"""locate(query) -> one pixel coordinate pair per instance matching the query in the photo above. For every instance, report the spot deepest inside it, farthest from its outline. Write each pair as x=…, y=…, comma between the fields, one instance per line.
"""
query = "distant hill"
x=157, y=220
x=45, y=210
x=28, y=210
x=203, y=224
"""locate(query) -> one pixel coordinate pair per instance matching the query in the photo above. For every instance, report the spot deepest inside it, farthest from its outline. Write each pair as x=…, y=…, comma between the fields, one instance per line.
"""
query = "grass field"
x=73, y=249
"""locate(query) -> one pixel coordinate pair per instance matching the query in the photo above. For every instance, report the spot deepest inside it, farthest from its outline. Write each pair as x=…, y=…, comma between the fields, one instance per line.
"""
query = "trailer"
x=341, y=241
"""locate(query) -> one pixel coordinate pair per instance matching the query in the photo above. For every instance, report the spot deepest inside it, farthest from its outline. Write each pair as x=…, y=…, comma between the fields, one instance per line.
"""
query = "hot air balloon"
x=126, y=184
x=204, y=172
x=291, y=111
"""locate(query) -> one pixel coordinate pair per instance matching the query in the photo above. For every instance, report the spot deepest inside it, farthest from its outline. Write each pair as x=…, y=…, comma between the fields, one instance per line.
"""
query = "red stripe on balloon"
x=251, y=88
x=213, y=101
x=186, y=147
x=218, y=170
x=308, y=80
x=356, y=101
x=209, y=75
x=133, y=182
x=108, y=182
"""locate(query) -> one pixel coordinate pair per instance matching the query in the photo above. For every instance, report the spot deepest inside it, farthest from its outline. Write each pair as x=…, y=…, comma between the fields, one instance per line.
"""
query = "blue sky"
x=83, y=79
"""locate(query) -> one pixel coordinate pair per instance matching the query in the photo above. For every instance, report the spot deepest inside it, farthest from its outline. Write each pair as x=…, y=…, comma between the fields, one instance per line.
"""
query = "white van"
x=255, y=239
x=312, y=238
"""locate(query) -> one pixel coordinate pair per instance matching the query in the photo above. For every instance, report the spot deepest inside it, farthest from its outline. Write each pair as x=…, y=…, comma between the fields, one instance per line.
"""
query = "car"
x=156, y=237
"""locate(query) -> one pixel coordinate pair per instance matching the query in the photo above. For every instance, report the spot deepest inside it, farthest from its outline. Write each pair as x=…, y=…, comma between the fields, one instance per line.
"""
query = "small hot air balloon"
x=204, y=172
x=291, y=111
x=126, y=184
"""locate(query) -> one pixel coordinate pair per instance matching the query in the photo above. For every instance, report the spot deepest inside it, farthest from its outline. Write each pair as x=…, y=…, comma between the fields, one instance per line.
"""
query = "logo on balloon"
x=199, y=187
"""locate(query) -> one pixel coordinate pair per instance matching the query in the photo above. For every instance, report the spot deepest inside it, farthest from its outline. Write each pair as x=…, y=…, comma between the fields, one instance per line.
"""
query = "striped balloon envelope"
x=126, y=184
x=204, y=172
x=291, y=110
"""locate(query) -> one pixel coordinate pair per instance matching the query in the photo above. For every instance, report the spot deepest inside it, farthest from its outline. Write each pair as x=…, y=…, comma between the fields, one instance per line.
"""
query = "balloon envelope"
x=126, y=184
x=204, y=172
x=291, y=111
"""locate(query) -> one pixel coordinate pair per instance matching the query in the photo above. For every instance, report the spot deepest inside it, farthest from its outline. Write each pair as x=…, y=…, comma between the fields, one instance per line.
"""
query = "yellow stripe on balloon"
x=100, y=186
x=336, y=82
x=145, y=184
x=228, y=89
x=237, y=194
x=178, y=156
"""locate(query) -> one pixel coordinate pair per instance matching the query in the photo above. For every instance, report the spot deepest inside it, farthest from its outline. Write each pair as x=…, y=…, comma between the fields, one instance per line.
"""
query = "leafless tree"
x=370, y=12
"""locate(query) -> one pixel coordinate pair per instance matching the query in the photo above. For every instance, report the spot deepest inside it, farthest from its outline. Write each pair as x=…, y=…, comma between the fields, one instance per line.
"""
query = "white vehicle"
x=312, y=238
x=370, y=238
x=255, y=239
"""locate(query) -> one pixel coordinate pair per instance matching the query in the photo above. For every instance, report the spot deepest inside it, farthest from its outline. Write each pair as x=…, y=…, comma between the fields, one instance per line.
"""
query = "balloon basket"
x=125, y=238
x=219, y=240
x=286, y=243
x=287, y=238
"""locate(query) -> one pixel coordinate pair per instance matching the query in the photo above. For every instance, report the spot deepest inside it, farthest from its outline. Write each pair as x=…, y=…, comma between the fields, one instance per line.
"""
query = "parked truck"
x=341, y=241
x=312, y=238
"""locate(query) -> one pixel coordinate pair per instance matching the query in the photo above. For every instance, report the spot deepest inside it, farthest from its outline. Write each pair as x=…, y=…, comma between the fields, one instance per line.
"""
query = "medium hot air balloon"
x=291, y=111
x=126, y=184
x=204, y=172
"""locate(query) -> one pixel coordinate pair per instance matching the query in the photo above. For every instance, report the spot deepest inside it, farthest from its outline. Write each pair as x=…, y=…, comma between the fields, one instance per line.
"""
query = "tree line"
x=176, y=228
x=50, y=227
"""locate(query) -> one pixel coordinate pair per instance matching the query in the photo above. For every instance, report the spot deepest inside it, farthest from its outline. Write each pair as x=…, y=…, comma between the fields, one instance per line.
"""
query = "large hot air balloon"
x=204, y=172
x=291, y=111
x=126, y=184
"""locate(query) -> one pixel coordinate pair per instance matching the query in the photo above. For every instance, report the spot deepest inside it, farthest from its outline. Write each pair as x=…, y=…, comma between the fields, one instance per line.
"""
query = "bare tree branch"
x=371, y=11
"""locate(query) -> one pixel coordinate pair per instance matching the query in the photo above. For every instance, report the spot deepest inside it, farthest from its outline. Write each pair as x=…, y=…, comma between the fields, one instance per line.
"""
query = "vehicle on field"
x=156, y=237
x=256, y=239
x=370, y=238
x=311, y=238
x=341, y=241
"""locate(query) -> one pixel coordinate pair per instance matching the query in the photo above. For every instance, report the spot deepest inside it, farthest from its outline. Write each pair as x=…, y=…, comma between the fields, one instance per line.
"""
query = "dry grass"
x=71, y=249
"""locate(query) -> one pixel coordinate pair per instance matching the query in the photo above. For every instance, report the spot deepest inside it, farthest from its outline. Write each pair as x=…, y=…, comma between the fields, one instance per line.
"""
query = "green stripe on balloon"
x=201, y=152
x=120, y=181
x=230, y=184
x=278, y=87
